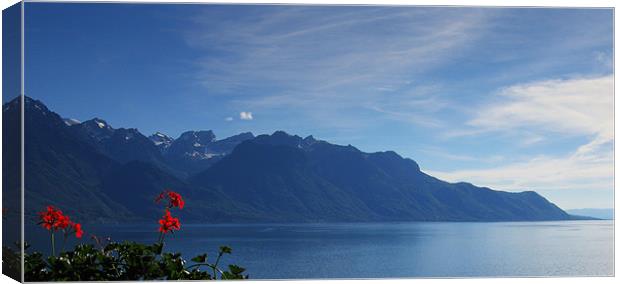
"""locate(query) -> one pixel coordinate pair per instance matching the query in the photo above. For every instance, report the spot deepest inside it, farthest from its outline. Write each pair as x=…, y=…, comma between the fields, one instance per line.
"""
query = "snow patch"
x=71, y=121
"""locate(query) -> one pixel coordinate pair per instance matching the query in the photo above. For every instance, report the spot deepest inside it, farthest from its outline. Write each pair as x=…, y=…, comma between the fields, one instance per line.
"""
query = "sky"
x=509, y=98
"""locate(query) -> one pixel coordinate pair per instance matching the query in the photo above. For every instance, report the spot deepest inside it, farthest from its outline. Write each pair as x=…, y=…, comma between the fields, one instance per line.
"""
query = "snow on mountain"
x=71, y=121
x=98, y=128
x=162, y=141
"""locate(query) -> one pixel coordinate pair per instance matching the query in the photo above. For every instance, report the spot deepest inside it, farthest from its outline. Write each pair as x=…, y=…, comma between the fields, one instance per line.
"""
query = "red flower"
x=168, y=223
x=53, y=218
x=63, y=221
x=77, y=228
x=174, y=199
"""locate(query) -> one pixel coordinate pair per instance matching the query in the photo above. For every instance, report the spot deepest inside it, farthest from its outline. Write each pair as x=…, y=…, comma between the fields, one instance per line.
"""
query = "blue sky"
x=513, y=99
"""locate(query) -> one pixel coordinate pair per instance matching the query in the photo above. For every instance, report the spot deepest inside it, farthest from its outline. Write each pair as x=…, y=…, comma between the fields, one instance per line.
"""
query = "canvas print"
x=236, y=141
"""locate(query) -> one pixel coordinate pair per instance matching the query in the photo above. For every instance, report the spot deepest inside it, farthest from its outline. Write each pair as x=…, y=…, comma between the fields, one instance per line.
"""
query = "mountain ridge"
x=279, y=162
x=247, y=178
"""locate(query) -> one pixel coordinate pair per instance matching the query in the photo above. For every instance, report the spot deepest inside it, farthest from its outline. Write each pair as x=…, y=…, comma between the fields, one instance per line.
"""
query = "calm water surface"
x=377, y=250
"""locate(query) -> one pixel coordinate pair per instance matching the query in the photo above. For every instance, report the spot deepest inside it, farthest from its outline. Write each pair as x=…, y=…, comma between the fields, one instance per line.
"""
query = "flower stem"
x=53, y=246
x=64, y=243
x=161, y=238
x=215, y=266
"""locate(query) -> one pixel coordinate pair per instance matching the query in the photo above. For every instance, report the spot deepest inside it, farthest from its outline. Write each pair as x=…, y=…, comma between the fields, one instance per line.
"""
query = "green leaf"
x=225, y=249
x=117, y=262
x=236, y=269
x=200, y=259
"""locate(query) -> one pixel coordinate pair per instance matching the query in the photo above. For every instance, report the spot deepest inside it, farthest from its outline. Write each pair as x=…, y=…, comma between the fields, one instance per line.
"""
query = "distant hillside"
x=600, y=213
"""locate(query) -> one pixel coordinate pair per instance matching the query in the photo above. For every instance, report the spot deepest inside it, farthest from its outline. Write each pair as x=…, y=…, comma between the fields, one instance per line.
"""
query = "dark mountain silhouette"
x=105, y=174
x=122, y=145
x=62, y=169
x=75, y=172
x=136, y=184
x=316, y=180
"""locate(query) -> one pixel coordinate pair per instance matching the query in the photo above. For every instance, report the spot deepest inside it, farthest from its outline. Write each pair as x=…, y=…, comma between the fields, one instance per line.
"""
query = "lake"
x=402, y=250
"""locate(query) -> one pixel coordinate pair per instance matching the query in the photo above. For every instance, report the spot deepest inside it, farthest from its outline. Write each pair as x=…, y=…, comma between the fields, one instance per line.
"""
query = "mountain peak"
x=280, y=133
x=98, y=123
x=97, y=128
x=13, y=103
x=192, y=145
x=279, y=138
x=200, y=137
x=28, y=100
x=310, y=139
x=248, y=135
x=161, y=140
x=33, y=105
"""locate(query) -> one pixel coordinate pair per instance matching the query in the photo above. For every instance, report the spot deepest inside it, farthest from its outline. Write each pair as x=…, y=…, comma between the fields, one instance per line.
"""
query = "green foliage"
x=225, y=249
x=124, y=261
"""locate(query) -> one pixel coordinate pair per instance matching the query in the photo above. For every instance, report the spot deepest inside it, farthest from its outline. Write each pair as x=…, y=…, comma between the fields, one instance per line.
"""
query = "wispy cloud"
x=542, y=173
x=580, y=107
x=576, y=106
x=321, y=58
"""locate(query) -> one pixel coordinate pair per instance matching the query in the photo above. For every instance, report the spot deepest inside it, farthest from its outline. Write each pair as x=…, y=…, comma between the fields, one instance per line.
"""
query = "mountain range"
x=104, y=174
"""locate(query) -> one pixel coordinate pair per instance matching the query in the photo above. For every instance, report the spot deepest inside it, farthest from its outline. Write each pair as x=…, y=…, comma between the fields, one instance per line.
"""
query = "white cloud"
x=580, y=107
x=229, y=118
x=244, y=115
